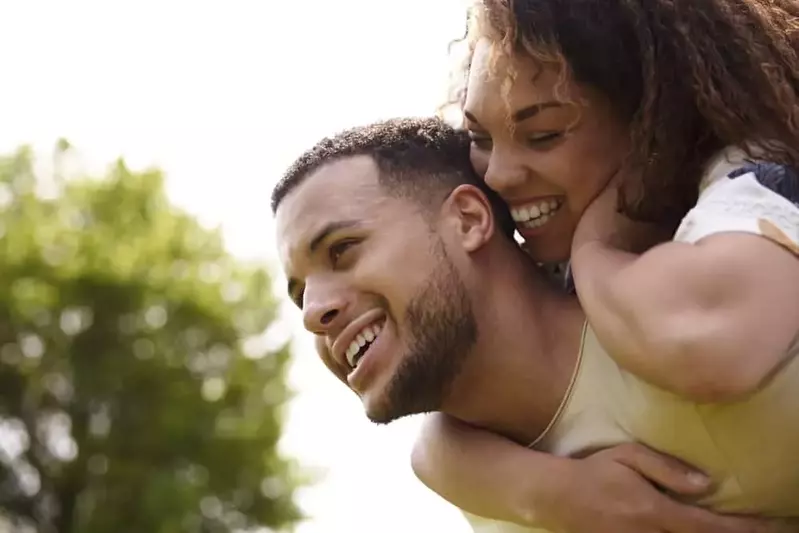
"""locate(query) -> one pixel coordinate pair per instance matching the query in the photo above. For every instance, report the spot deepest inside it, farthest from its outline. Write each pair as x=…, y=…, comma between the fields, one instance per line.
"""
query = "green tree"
x=135, y=394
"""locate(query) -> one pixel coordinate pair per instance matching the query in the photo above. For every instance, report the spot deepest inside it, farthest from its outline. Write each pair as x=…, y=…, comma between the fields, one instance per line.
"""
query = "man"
x=403, y=262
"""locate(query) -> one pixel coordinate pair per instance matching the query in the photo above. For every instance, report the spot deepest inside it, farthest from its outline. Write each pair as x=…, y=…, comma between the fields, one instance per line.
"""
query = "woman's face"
x=565, y=145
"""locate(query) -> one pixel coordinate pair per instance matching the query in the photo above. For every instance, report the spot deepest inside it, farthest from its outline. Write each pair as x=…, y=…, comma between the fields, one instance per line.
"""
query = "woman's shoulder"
x=741, y=194
x=733, y=163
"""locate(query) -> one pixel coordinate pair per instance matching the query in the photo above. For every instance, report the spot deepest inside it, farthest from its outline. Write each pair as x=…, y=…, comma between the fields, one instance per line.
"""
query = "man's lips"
x=342, y=342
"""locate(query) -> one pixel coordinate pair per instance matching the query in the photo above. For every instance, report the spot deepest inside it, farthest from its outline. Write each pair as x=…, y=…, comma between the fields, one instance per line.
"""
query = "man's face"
x=373, y=278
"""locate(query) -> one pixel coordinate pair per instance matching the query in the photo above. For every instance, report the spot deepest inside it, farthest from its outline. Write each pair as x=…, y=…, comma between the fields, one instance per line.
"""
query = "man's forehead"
x=344, y=190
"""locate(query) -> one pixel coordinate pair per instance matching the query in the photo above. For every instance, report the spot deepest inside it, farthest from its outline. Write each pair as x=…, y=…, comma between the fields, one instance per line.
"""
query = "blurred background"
x=153, y=377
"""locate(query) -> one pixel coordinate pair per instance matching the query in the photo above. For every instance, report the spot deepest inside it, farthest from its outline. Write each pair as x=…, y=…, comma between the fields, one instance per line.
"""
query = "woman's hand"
x=632, y=489
x=602, y=223
x=626, y=489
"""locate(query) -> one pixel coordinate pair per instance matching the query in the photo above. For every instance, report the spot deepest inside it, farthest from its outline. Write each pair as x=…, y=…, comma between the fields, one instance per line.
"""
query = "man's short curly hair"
x=423, y=159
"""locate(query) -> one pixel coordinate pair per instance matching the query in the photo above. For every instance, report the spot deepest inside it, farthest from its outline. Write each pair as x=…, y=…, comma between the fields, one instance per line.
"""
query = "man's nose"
x=323, y=307
x=504, y=173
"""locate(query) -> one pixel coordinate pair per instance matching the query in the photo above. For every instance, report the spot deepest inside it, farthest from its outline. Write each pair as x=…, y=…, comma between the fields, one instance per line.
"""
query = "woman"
x=578, y=107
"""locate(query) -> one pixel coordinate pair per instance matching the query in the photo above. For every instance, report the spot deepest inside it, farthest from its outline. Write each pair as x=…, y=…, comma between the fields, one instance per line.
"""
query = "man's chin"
x=379, y=419
x=379, y=410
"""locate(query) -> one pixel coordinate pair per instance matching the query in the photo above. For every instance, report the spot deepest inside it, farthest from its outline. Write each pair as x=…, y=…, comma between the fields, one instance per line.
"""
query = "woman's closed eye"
x=485, y=143
x=542, y=139
x=481, y=141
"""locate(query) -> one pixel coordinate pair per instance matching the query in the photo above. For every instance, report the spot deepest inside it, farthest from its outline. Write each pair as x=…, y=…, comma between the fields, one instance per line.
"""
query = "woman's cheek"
x=479, y=161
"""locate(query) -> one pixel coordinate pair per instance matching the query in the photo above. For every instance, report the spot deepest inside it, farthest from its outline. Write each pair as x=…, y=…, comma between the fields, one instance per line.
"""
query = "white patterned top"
x=738, y=194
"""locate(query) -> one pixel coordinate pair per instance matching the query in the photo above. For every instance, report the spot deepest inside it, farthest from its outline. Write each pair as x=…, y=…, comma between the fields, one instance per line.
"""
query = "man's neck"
x=529, y=338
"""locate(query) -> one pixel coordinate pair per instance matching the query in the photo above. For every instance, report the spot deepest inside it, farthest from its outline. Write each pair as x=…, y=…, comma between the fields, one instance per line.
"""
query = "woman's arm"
x=710, y=319
x=450, y=458
x=487, y=475
x=619, y=490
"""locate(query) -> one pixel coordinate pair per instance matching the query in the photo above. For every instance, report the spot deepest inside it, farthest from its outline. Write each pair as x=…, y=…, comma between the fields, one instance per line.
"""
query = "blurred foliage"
x=136, y=394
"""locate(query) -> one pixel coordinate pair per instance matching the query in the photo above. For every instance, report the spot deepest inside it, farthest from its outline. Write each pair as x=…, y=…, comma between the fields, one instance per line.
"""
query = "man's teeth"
x=364, y=338
x=537, y=214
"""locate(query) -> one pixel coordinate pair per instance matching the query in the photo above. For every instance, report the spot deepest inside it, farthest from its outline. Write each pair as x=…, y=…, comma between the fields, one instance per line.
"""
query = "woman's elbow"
x=716, y=371
x=709, y=386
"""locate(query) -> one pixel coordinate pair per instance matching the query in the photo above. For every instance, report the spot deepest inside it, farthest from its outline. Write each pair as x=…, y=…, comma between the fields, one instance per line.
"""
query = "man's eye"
x=338, y=249
x=299, y=298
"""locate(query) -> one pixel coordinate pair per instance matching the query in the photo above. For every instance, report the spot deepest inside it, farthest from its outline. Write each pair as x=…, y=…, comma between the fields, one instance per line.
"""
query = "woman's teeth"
x=361, y=343
x=537, y=214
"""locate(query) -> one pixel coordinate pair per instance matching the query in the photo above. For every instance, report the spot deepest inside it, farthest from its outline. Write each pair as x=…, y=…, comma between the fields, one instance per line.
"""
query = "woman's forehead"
x=498, y=83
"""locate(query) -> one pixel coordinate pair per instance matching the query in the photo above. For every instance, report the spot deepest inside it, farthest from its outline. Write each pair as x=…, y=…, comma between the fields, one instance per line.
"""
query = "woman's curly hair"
x=690, y=76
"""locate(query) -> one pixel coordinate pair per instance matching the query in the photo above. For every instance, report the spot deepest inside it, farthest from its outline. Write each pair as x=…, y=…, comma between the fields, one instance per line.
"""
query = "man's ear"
x=469, y=210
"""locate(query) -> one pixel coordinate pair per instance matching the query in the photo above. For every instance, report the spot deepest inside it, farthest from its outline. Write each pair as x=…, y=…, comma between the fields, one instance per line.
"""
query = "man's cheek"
x=327, y=358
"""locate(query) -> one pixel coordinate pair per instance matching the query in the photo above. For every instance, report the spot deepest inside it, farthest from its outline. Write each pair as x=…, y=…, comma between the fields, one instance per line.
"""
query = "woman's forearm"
x=478, y=471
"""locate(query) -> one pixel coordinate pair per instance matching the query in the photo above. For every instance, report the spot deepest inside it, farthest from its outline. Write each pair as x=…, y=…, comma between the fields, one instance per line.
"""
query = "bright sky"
x=223, y=95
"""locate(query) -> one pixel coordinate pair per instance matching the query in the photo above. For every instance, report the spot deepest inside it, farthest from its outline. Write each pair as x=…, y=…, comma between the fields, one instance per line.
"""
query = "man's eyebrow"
x=329, y=228
x=318, y=239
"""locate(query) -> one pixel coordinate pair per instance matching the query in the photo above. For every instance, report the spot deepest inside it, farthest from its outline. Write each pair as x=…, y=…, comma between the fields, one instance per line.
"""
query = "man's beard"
x=442, y=330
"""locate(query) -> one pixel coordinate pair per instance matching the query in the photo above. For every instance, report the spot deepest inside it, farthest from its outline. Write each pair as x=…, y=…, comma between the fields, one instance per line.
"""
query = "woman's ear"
x=472, y=216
